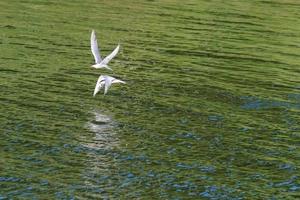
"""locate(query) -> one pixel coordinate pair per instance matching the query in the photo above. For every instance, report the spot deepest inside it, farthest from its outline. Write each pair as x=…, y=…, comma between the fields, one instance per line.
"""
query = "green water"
x=210, y=111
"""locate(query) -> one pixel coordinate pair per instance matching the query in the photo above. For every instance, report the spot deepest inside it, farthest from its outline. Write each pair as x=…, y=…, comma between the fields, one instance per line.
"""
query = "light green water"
x=210, y=111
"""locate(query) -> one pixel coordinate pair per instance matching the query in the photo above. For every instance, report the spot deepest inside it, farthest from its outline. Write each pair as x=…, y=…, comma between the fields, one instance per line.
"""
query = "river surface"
x=211, y=108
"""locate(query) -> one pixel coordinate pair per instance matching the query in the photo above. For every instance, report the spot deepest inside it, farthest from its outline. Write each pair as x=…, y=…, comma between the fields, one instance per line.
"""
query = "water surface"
x=210, y=111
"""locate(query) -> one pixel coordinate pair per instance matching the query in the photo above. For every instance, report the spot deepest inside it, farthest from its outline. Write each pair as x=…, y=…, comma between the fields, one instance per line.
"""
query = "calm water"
x=211, y=109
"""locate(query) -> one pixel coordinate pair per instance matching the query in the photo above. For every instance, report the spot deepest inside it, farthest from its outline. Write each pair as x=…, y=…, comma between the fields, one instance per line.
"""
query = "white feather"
x=100, y=83
x=106, y=82
x=108, y=58
x=94, y=48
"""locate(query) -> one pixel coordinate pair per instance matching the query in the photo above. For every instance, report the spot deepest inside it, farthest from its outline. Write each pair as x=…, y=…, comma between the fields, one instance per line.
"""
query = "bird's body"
x=105, y=81
x=99, y=63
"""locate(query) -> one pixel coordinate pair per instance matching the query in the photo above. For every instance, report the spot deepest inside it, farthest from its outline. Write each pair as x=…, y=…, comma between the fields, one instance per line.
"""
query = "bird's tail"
x=107, y=67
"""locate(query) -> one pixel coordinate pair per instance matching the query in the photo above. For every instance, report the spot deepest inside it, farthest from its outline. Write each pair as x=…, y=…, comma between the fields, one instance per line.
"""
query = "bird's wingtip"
x=109, y=68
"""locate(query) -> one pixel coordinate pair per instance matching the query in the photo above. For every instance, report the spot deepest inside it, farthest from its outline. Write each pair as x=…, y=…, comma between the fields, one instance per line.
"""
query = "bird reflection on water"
x=99, y=162
x=102, y=125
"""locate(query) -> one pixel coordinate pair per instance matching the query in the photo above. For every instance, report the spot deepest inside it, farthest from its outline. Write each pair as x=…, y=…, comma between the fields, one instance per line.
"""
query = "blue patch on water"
x=286, y=183
x=205, y=177
x=127, y=158
x=44, y=182
x=84, y=149
x=59, y=195
x=287, y=166
x=64, y=196
x=254, y=103
x=215, y=193
x=151, y=174
x=130, y=175
x=104, y=178
x=141, y=158
x=204, y=168
x=185, y=135
x=215, y=118
x=208, y=191
x=168, y=180
x=209, y=169
x=257, y=176
x=129, y=179
x=26, y=193
x=184, y=166
x=9, y=179
x=294, y=97
x=33, y=159
x=292, y=148
x=29, y=188
x=171, y=150
x=184, y=186
x=53, y=150
x=66, y=145
x=78, y=149
x=245, y=129
x=295, y=188
x=183, y=121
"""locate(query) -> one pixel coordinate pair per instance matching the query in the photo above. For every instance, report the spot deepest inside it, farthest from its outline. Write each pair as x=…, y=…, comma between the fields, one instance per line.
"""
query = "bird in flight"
x=105, y=81
x=99, y=63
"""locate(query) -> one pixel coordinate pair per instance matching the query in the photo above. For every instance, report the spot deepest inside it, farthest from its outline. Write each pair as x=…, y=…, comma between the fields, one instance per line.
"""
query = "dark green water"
x=211, y=109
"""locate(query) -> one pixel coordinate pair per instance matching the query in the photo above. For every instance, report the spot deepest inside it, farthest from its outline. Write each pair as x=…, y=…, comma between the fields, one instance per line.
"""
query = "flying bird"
x=106, y=81
x=99, y=63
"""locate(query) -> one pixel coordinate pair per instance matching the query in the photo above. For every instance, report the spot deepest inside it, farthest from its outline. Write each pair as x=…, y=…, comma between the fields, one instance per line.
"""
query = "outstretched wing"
x=111, y=56
x=94, y=47
x=100, y=83
x=118, y=81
